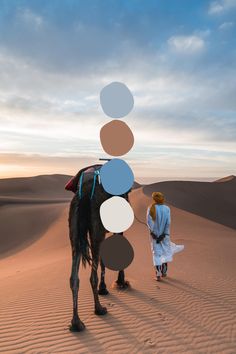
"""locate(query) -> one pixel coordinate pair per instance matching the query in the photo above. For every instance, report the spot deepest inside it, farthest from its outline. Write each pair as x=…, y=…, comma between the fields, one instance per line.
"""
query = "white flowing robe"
x=162, y=252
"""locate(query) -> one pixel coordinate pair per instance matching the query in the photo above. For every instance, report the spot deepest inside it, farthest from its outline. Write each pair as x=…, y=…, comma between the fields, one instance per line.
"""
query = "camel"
x=86, y=233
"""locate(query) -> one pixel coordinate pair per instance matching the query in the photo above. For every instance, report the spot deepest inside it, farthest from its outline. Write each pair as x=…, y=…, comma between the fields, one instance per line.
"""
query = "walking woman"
x=158, y=222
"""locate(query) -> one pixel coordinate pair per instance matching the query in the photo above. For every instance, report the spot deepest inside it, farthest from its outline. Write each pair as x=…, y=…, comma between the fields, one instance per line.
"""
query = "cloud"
x=226, y=26
x=221, y=6
x=30, y=18
x=79, y=44
x=203, y=33
x=186, y=44
x=55, y=59
x=58, y=112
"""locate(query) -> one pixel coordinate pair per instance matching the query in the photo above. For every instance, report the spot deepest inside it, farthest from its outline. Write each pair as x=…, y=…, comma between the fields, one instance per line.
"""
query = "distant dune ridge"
x=38, y=186
x=193, y=310
x=212, y=200
x=43, y=186
x=227, y=179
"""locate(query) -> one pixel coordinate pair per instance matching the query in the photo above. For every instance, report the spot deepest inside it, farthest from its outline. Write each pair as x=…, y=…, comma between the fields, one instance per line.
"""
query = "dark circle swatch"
x=116, y=138
x=116, y=177
x=116, y=252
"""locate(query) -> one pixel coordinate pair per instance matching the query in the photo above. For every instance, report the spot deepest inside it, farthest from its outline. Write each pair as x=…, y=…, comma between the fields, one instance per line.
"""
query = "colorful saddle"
x=75, y=184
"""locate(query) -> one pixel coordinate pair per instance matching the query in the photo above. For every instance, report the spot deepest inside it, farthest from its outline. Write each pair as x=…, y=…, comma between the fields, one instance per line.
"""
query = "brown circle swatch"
x=116, y=252
x=116, y=138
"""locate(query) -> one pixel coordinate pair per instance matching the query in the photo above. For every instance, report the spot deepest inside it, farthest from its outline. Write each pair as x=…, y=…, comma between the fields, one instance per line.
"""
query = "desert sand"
x=193, y=310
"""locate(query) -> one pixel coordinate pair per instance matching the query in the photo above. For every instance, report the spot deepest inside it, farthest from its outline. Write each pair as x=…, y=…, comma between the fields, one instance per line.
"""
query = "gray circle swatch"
x=116, y=100
x=116, y=252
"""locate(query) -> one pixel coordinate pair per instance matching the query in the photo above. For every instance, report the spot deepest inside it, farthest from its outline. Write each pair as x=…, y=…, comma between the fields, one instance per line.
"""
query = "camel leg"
x=121, y=282
x=102, y=286
x=99, y=309
x=76, y=324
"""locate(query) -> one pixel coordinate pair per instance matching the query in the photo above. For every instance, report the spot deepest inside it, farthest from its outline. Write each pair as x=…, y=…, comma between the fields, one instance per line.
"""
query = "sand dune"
x=28, y=206
x=191, y=311
x=44, y=186
x=41, y=187
x=20, y=225
x=25, y=210
x=213, y=200
x=227, y=179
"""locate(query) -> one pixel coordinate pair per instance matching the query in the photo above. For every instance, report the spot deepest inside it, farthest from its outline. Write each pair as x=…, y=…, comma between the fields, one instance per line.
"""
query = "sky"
x=178, y=58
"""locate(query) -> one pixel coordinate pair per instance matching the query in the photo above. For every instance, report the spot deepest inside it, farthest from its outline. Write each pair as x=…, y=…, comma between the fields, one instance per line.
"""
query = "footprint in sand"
x=149, y=342
x=161, y=316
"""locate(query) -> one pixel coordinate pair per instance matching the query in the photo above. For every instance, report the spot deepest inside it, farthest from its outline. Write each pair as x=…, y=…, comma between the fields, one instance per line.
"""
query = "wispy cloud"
x=226, y=26
x=30, y=18
x=221, y=6
x=187, y=44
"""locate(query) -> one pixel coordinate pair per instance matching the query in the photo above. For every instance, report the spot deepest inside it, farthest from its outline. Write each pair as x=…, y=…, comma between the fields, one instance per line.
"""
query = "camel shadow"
x=158, y=320
x=204, y=295
x=91, y=341
x=162, y=315
x=166, y=308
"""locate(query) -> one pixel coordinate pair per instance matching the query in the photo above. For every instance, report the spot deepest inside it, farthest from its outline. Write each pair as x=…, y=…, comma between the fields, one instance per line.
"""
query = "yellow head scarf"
x=158, y=198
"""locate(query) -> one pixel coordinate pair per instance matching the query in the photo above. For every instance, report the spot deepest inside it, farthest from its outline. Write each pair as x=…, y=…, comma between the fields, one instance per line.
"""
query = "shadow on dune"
x=21, y=225
x=89, y=340
x=152, y=311
x=212, y=200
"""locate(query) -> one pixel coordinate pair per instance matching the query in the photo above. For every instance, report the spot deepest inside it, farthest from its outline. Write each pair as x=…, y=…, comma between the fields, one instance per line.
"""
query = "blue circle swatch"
x=116, y=177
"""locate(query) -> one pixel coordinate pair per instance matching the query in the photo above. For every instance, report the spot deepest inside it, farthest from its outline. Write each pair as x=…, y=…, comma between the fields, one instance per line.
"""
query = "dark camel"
x=86, y=234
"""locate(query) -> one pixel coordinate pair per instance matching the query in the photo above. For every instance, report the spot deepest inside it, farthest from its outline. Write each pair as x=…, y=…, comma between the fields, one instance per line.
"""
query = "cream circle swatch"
x=116, y=214
x=116, y=100
x=116, y=138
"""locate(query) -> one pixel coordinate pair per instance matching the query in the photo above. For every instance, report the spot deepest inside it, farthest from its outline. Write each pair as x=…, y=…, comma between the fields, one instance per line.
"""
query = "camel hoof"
x=77, y=326
x=101, y=311
x=103, y=291
x=124, y=285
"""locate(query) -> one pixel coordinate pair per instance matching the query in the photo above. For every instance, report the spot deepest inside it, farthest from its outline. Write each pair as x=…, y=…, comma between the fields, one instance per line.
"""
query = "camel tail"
x=79, y=238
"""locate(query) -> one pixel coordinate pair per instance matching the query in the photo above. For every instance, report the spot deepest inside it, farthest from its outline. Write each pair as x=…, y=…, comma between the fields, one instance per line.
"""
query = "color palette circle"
x=116, y=214
x=116, y=138
x=116, y=100
x=116, y=177
x=116, y=252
